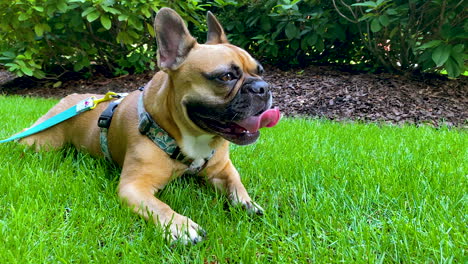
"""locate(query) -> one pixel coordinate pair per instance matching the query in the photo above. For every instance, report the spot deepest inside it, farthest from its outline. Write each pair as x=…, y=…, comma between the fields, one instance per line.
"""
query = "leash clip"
x=108, y=96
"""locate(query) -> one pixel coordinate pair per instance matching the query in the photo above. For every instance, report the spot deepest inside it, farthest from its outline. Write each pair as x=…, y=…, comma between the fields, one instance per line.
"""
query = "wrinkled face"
x=228, y=97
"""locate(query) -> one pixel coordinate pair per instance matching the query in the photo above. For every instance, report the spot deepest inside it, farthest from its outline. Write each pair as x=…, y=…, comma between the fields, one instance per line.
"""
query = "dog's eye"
x=227, y=77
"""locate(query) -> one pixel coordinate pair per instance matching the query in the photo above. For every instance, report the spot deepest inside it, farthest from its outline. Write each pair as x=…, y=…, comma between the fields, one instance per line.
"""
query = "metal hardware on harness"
x=147, y=126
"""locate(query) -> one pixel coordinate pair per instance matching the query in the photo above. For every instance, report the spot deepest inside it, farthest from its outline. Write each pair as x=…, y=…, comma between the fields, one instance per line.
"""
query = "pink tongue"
x=268, y=118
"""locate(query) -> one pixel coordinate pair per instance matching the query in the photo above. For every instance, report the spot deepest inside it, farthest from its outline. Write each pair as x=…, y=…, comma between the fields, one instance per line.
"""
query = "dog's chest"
x=197, y=148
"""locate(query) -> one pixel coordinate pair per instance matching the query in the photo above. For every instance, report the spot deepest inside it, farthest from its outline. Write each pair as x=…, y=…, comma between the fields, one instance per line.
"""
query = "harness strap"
x=104, y=122
x=147, y=126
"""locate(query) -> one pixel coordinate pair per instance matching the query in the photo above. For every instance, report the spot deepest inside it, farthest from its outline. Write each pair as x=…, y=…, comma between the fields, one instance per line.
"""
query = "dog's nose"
x=259, y=87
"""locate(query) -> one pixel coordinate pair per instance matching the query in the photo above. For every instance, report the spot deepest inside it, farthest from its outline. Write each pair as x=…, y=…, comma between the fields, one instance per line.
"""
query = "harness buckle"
x=105, y=118
x=104, y=121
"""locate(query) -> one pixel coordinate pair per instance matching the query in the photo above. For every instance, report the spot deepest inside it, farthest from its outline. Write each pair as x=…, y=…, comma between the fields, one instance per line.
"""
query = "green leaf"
x=39, y=74
x=26, y=71
x=59, y=25
x=368, y=3
x=379, y=2
x=135, y=22
x=77, y=67
x=106, y=22
x=57, y=84
x=441, y=54
x=384, y=20
x=38, y=8
x=111, y=10
x=23, y=17
x=62, y=6
x=145, y=12
x=122, y=17
x=291, y=31
x=133, y=34
x=375, y=25
x=93, y=16
x=391, y=12
x=457, y=55
x=150, y=29
x=430, y=44
x=123, y=37
x=21, y=63
x=458, y=49
x=88, y=10
x=366, y=16
x=39, y=30
x=28, y=54
x=9, y=54
x=453, y=70
x=12, y=66
x=34, y=64
x=312, y=39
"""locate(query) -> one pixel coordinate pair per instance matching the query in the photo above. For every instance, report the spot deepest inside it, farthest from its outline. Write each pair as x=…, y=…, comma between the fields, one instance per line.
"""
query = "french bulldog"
x=204, y=96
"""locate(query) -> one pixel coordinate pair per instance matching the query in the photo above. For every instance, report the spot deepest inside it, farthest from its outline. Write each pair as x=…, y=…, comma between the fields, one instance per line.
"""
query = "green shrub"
x=49, y=37
x=399, y=36
x=413, y=35
x=54, y=36
x=286, y=32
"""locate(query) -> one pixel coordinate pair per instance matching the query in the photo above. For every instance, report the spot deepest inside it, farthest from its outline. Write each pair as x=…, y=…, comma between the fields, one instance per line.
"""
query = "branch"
x=350, y=9
x=341, y=14
x=459, y=3
x=442, y=13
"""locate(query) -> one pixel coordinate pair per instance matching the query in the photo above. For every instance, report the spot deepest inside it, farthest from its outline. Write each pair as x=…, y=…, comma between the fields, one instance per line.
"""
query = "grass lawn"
x=333, y=192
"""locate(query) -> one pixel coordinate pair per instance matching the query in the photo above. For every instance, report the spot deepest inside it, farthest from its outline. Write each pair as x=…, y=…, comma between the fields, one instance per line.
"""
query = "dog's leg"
x=50, y=139
x=137, y=189
x=228, y=180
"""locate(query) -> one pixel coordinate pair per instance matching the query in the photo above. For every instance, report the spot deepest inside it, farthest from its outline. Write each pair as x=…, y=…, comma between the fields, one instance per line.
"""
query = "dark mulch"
x=321, y=91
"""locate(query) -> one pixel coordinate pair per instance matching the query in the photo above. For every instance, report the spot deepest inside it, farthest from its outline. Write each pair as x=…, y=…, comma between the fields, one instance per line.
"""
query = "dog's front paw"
x=184, y=231
x=249, y=205
x=253, y=207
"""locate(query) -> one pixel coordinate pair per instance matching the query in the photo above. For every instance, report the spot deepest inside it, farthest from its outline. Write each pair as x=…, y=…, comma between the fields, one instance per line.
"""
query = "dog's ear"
x=173, y=39
x=216, y=33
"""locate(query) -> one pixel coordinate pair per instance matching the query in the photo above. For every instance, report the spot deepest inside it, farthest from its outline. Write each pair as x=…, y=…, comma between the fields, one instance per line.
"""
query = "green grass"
x=333, y=192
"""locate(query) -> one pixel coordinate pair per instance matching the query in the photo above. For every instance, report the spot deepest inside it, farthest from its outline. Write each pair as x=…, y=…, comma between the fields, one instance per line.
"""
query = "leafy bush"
x=285, y=32
x=412, y=35
x=53, y=36
x=399, y=36
x=49, y=37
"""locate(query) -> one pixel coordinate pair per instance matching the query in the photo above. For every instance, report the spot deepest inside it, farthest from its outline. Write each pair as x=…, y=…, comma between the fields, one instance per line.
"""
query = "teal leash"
x=67, y=114
x=82, y=106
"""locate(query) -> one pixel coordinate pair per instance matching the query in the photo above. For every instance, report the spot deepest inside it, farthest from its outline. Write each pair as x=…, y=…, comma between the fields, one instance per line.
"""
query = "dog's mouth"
x=242, y=132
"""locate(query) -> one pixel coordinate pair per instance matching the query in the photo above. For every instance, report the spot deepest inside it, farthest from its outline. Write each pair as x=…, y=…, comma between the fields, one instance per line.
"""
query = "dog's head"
x=218, y=86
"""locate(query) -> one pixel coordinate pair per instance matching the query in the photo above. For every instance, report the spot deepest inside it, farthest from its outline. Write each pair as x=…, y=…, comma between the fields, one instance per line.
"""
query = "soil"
x=316, y=91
